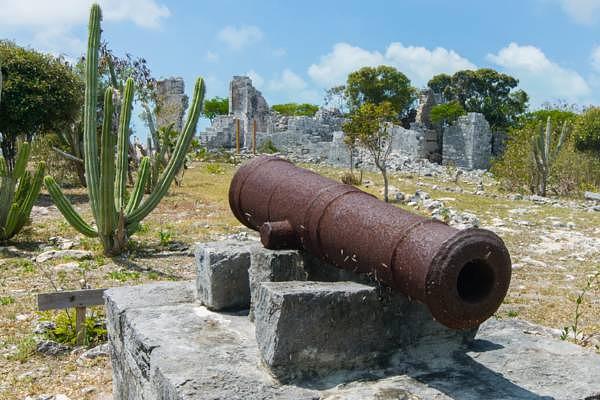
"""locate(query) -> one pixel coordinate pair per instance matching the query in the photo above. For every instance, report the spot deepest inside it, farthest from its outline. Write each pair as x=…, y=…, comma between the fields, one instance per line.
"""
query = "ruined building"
x=468, y=143
x=171, y=103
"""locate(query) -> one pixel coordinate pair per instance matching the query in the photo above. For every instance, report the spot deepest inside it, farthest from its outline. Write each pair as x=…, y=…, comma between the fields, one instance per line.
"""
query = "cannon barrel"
x=461, y=275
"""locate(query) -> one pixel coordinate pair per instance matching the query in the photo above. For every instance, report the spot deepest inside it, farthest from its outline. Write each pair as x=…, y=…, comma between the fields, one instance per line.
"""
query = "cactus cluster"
x=18, y=191
x=117, y=213
x=544, y=154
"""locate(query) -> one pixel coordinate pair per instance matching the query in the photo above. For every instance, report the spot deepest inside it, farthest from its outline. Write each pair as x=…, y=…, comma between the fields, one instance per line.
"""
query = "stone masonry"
x=467, y=144
x=171, y=103
x=324, y=340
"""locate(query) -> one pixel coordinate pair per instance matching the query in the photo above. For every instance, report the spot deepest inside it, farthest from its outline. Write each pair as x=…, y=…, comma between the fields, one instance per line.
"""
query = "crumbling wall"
x=468, y=142
x=171, y=103
x=249, y=106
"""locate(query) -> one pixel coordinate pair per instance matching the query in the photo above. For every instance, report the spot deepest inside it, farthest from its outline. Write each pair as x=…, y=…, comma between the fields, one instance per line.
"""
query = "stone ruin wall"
x=469, y=143
x=171, y=103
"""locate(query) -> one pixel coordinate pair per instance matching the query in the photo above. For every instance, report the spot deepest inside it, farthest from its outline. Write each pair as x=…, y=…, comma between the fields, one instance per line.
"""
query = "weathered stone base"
x=165, y=346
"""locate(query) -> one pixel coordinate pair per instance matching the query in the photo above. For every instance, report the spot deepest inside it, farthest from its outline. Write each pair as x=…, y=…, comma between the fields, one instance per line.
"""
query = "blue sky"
x=295, y=50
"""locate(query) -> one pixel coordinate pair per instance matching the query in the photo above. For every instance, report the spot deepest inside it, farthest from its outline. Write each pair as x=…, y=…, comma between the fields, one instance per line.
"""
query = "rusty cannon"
x=461, y=275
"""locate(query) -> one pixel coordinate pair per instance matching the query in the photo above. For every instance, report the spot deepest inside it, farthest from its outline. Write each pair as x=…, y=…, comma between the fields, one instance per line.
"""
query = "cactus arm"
x=11, y=222
x=140, y=184
x=547, y=139
x=106, y=206
x=32, y=194
x=177, y=159
x=7, y=192
x=122, y=146
x=21, y=162
x=67, y=209
x=92, y=172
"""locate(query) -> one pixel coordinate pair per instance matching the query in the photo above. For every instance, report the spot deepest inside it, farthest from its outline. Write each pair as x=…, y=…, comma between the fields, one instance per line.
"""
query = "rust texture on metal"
x=461, y=275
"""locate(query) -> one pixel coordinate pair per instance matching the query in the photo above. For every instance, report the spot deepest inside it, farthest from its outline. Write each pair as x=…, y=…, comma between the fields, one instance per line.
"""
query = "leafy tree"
x=446, y=113
x=216, y=106
x=336, y=97
x=295, y=109
x=40, y=94
x=587, y=131
x=369, y=127
x=380, y=84
x=485, y=91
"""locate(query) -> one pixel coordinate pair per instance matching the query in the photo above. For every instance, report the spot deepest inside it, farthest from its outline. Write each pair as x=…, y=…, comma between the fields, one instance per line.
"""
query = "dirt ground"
x=554, y=247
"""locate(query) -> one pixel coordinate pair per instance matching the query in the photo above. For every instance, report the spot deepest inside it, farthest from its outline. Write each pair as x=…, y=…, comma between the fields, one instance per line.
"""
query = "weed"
x=214, y=169
x=267, y=147
x=123, y=276
x=6, y=300
x=512, y=314
x=25, y=349
x=164, y=237
x=25, y=265
x=153, y=275
x=351, y=179
x=574, y=330
x=64, y=328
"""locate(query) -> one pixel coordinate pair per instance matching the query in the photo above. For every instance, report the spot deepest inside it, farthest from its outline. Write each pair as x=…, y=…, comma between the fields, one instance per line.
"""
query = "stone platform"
x=166, y=346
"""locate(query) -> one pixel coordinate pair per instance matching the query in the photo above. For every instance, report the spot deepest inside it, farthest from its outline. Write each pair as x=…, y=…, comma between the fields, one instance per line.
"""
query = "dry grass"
x=199, y=210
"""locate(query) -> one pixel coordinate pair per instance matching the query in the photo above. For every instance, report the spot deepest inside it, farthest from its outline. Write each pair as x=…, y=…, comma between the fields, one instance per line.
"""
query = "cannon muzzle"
x=461, y=275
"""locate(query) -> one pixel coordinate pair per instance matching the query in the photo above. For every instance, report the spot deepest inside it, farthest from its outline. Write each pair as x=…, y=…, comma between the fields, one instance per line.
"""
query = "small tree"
x=40, y=94
x=380, y=84
x=369, y=127
x=587, y=131
x=216, y=106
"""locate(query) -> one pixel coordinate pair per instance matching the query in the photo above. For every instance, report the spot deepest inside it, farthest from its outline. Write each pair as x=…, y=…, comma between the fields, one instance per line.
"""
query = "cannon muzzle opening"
x=462, y=276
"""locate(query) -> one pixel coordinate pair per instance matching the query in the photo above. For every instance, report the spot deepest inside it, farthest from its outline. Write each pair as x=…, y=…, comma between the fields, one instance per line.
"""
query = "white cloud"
x=418, y=63
x=237, y=38
x=287, y=81
x=542, y=78
x=49, y=24
x=595, y=57
x=58, y=13
x=212, y=56
x=257, y=80
x=584, y=12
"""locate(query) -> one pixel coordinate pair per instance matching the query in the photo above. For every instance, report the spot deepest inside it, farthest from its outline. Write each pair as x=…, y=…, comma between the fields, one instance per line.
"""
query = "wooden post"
x=78, y=299
x=237, y=136
x=253, y=136
x=80, y=325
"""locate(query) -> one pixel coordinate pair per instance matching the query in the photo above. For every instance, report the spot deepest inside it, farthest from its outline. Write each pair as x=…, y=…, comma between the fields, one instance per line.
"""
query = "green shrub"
x=295, y=109
x=587, y=130
x=62, y=169
x=572, y=172
x=64, y=328
x=214, y=169
x=267, y=147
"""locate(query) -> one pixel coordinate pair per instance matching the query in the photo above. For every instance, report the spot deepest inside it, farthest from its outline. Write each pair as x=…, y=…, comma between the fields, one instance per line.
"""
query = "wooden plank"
x=68, y=299
x=80, y=325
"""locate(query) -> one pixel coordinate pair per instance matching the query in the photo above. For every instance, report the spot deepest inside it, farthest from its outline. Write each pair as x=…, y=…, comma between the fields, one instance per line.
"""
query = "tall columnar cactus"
x=117, y=215
x=18, y=191
x=544, y=154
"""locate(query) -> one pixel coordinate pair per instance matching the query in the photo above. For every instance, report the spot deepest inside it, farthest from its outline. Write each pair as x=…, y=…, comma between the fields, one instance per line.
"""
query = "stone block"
x=169, y=348
x=274, y=266
x=222, y=280
x=306, y=329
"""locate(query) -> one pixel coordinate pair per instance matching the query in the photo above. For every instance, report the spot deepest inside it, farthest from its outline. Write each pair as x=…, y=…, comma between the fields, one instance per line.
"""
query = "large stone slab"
x=165, y=346
x=222, y=280
x=308, y=329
